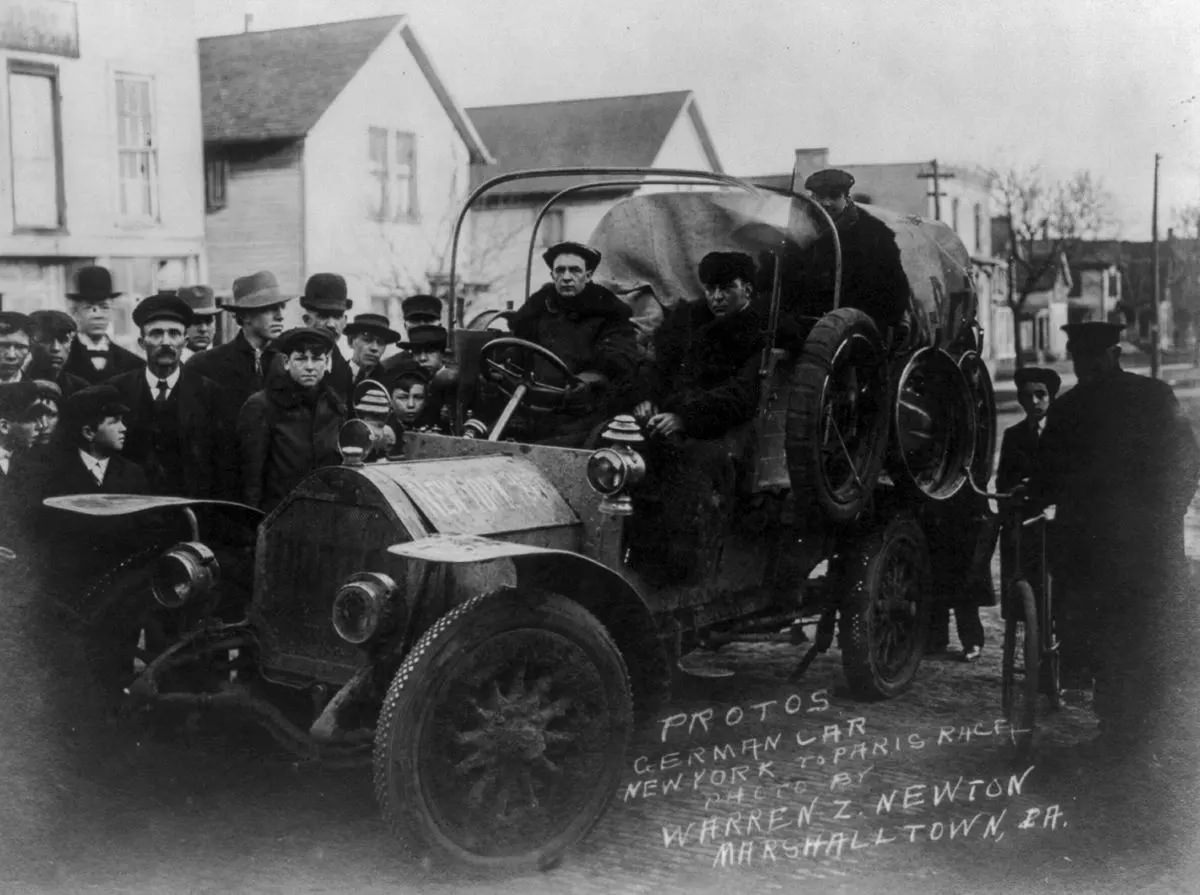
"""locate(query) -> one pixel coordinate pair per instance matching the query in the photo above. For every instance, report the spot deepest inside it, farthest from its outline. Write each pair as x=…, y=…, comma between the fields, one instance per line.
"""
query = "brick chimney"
x=807, y=161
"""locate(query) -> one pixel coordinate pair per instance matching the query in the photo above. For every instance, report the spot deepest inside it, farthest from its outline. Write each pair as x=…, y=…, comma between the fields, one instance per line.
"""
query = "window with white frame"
x=392, y=175
x=35, y=146
x=137, y=149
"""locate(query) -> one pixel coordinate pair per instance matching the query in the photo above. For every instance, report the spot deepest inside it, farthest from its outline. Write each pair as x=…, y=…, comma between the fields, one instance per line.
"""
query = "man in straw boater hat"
x=239, y=367
x=1120, y=461
x=94, y=356
x=169, y=429
x=205, y=311
x=290, y=428
x=590, y=329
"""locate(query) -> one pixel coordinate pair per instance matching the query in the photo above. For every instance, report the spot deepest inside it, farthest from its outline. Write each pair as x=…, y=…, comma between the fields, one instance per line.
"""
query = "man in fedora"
x=168, y=429
x=589, y=328
x=369, y=336
x=325, y=302
x=53, y=332
x=203, y=328
x=239, y=367
x=93, y=356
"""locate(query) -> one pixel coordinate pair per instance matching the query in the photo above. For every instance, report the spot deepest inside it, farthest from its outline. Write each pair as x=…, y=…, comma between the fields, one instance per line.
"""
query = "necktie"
x=258, y=361
x=99, y=359
x=161, y=397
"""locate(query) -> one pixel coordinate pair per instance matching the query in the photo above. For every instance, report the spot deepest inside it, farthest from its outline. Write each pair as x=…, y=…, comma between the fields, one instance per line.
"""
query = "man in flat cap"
x=421, y=310
x=590, y=329
x=94, y=356
x=873, y=279
x=369, y=337
x=1120, y=461
x=703, y=384
x=53, y=332
x=203, y=328
x=238, y=367
x=290, y=428
x=14, y=345
x=169, y=425
x=326, y=302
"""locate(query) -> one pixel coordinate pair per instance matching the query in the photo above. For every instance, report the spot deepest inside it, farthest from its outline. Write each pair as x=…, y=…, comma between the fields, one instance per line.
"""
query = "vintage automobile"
x=482, y=618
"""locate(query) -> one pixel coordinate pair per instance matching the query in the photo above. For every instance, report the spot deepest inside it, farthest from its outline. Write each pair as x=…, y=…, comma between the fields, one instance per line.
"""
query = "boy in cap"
x=369, y=336
x=326, y=302
x=873, y=279
x=14, y=345
x=590, y=329
x=291, y=427
x=53, y=332
x=94, y=357
x=238, y=367
x=203, y=328
x=407, y=384
x=1120, y=462
x=169, y=420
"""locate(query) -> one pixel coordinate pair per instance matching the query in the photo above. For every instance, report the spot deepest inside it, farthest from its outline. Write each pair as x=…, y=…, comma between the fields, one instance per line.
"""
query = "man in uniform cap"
x=369, y=335
x=203, y=328
x=1120, y=461
x=238, y=367
x=169, y=423
x=53, y=332
x=590, y=330
x=873, y=279
x=290, y=428
x=94, y=357
x=14, y=345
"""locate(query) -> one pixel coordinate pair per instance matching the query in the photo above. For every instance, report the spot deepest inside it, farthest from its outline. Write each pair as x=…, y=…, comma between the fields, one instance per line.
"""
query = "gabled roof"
x=612, y=130
x=274, y=85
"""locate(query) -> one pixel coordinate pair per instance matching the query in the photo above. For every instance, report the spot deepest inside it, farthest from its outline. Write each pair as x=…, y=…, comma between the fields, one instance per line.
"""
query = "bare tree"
x=1046, y=222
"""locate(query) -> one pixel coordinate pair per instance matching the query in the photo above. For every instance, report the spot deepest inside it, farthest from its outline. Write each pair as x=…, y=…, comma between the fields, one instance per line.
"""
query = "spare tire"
x=836, y=427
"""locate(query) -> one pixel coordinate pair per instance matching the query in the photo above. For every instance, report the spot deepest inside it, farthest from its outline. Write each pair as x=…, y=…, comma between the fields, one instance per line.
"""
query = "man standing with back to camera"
x=1120, y=462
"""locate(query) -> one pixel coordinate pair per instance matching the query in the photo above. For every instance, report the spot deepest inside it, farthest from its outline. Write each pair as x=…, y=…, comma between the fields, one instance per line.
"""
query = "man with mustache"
x=167, y=424
x=239, y=367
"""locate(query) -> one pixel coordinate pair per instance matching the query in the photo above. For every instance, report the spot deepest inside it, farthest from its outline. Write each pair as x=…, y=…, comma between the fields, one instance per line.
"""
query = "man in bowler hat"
x=238, y=368
x=873, y=278
x=169, y=429
x=205, y=311
x=94, y=357
x=369, y=336
x=53, y=332
x=590, y=329
x=1120, y=462
x=326, y=302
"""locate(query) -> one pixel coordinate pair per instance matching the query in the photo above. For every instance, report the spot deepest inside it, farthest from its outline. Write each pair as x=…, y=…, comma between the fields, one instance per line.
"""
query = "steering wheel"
x=508, y=363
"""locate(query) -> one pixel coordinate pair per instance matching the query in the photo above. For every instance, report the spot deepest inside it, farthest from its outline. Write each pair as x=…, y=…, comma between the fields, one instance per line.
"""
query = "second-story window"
x=392, y=183
x=137, y=149
x=35, y=146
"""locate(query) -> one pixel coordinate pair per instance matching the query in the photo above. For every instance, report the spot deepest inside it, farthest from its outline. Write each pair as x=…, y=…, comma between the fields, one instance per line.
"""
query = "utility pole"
x=1154, y=352
x=937, y=176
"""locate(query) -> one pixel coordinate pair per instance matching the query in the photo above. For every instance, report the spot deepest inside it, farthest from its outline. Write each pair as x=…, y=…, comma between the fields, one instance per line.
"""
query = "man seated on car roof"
x=702, y=387
x=591, y=330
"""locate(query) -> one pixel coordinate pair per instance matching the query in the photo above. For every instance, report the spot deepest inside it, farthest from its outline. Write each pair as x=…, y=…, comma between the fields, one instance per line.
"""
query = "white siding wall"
x=378, y=258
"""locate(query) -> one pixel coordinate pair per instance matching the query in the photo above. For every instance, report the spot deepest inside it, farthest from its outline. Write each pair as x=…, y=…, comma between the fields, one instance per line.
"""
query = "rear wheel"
x=885, y=616
x=836, y=427
x=502, y=737
x=1020, y=666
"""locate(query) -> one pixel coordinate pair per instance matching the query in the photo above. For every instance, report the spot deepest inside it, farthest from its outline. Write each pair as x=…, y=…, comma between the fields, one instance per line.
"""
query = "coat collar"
x=593, y=301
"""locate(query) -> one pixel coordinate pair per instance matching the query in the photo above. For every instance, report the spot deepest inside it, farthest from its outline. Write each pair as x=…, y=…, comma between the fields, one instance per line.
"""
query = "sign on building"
x=40, y=26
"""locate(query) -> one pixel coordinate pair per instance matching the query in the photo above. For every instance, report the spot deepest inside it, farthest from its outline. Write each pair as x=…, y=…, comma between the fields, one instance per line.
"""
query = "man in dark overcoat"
x=238, y=367
x=290, y=428
x=873, y=278
x=590, y=329
x=703, y=385
x=53, y=332
x=1120, y=462
x=94, y=357
x=169, y=429
x=1037, y=387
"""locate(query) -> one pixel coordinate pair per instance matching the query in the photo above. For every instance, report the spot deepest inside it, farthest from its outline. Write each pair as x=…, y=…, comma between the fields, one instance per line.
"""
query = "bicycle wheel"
x=1049, y=667
x=1019, y=671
